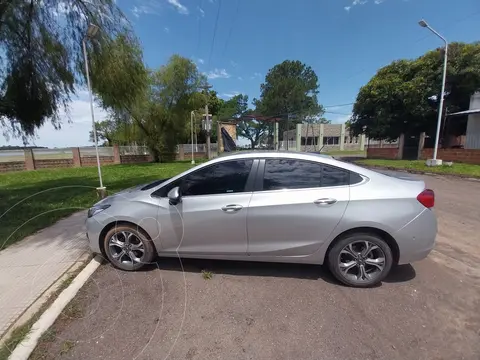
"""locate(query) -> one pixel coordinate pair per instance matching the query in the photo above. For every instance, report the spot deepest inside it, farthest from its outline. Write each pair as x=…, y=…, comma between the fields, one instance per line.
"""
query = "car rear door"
x=211, y=217
x=295, y=206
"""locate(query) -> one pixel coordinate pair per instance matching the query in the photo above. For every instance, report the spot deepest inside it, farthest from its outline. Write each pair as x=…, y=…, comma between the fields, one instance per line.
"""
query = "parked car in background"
x=272, y=206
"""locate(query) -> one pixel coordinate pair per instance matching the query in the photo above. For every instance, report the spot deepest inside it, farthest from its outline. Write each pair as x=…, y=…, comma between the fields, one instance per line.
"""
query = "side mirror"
x=174, y=196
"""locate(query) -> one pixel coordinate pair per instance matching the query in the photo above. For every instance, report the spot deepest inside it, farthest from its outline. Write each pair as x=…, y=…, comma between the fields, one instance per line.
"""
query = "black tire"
x=340, y=254
x=139, y=235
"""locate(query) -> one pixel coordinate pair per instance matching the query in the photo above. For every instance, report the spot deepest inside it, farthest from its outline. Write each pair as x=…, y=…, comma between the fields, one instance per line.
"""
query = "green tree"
x=106, y=130
x=42, y=60
x=396, y=99
x=165, y=112
x=117, y=131
x=248, y=127
x=290, y=91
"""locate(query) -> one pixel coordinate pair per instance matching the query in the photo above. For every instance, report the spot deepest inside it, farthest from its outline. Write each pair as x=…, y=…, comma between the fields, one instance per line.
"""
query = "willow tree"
x=42, y=64
x=164, y=112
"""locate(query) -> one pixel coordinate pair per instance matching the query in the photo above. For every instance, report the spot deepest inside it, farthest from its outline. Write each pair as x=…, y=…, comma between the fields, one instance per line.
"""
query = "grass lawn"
x=419, y=165
x=32, y=200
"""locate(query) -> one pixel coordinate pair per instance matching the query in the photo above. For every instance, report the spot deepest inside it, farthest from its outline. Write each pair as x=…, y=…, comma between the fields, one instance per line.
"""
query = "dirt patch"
x=267, y=311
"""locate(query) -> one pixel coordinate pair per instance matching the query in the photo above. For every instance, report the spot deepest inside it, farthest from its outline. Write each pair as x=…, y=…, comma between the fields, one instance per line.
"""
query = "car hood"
x=131, y=192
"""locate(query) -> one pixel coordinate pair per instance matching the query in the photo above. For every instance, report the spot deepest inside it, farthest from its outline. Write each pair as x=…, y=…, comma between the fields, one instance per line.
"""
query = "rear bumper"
x=417, y=238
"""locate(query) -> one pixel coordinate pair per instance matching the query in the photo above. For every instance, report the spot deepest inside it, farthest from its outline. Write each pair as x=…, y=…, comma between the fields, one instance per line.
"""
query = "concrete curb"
x=26, y=347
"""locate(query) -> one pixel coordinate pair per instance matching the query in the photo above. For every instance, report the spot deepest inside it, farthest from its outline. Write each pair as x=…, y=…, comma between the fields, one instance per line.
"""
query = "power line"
x=231, y=27
x=199, y=29
x=339, y=105
x=336, y=113
x=214, y=32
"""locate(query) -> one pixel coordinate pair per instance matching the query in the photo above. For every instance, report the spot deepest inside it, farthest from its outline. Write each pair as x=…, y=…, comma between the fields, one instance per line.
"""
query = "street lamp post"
x=192, y=115
x=434, y=161
x=91, y=33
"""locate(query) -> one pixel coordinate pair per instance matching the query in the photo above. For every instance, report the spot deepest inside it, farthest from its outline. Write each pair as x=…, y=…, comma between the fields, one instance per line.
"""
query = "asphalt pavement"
x=430, y=310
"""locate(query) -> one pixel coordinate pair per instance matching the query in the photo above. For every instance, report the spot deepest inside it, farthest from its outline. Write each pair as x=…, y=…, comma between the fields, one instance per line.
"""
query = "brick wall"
x=132, y=159
x=12, y=166
x=92, y=160
x=196, y=155
x=53, y=163
x=382, y=153
x=469, y=156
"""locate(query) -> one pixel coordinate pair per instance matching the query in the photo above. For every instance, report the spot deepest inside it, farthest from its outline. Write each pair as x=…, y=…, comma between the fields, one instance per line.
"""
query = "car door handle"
x=232, y=208
x=325, y=201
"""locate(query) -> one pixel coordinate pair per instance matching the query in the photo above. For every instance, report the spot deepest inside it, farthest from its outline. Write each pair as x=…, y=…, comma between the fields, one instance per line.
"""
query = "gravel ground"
x=280, y=311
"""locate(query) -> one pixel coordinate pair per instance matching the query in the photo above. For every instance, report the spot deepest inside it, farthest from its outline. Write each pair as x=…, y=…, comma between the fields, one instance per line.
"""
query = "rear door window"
x=300, y=174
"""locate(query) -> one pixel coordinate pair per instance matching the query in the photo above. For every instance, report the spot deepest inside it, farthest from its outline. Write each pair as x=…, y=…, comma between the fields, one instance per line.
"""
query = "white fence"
x=134, y=150
x=292, y=145
x=12, y=155
x=90, y=151
x=199, y=148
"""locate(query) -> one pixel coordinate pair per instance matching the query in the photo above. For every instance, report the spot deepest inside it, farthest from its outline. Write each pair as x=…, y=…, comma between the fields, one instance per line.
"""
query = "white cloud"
x=73, y=134
x=379, y=1
x=202, y=12
x=240, y=78
x=338, y=119
x=182, y=9
x=230, y=94
x=359, y=2
x=233, y=63
x=146, y=7
x=166, y=29
x=256, y=75
x=200, y=61
x=218, y=74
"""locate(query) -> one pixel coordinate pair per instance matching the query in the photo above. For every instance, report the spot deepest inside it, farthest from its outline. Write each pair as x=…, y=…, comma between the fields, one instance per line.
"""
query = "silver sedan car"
x=272, y=206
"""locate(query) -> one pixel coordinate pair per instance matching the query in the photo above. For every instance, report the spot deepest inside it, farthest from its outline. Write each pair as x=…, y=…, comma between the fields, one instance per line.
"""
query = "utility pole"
x=208, y=124
x=435, y=161
x=288, y=128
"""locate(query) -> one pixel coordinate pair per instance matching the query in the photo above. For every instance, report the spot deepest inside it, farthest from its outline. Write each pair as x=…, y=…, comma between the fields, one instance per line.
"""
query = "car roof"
x=272, y=153
x=324, y=158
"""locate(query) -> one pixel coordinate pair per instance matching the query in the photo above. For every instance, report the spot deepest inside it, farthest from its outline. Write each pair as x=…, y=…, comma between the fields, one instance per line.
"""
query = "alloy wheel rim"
x=125, y=247
x=361, y=261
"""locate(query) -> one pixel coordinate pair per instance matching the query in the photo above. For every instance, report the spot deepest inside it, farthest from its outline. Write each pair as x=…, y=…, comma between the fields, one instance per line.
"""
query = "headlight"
x=96, y=209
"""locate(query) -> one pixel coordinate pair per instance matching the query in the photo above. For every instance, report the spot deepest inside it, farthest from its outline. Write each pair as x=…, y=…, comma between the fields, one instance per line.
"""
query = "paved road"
x=30, y=267
x=271, y=311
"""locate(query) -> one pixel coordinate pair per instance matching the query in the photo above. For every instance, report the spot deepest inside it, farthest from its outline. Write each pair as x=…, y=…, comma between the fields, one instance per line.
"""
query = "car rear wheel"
x=360, y=260
x=128, y=247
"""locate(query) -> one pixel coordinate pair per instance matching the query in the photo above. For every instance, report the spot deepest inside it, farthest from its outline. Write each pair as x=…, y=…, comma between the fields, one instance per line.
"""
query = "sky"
x=236, y=42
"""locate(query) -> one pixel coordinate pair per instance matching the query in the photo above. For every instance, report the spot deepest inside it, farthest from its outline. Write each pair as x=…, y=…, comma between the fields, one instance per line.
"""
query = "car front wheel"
x=128, y=247
x=360, y=260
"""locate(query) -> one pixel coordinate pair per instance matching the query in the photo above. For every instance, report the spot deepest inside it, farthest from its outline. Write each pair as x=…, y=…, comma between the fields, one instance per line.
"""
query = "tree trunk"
x=156, y=155
x=253, y=144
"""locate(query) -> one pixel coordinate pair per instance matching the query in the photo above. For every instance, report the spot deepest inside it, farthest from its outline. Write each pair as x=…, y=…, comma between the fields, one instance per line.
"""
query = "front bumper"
x=417, y=238
x=95, y=225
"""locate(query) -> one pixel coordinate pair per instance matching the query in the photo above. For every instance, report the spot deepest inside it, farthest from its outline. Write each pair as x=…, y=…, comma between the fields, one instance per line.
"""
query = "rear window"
x=355, y=178
x=300, y=174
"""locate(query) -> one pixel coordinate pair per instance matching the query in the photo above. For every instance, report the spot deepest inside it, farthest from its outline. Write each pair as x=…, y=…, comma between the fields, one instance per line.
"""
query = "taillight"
x=427, y=198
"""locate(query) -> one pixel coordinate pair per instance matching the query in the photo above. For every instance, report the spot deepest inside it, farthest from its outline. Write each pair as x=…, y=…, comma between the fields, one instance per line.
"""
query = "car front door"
x=211, y=217
x=297, y=206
